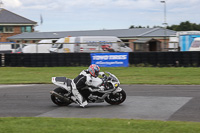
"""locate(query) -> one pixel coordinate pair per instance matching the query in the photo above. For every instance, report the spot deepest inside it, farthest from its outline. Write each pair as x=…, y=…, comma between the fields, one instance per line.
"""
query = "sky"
x=77, y=15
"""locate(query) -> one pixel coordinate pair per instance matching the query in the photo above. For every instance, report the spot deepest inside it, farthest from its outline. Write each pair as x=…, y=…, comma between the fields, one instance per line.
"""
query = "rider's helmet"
x=94, y=70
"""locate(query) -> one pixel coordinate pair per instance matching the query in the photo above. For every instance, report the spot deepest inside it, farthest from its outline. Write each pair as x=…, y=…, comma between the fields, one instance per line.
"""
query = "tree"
x=184, y=26
x=131, y=27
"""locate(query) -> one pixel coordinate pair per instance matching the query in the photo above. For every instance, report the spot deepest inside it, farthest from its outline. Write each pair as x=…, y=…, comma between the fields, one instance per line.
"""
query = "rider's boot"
x=79, y=99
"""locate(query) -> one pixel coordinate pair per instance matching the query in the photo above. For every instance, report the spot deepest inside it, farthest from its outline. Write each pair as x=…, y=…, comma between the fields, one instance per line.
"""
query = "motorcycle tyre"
x=109, y=99
x=58, y=101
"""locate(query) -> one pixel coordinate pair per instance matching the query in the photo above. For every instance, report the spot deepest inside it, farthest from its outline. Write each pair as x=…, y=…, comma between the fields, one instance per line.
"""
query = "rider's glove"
x=102, y=74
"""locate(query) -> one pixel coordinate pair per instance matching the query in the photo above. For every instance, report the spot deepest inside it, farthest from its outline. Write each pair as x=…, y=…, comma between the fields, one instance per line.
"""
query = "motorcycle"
x=108, y=90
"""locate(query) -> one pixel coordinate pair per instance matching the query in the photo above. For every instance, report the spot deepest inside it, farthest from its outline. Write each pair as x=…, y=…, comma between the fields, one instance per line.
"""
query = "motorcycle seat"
x=68, y=81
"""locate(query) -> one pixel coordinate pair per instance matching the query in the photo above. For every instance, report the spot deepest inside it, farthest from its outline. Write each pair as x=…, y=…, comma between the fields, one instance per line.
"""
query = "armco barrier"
x=160, y=59
x=164, y=59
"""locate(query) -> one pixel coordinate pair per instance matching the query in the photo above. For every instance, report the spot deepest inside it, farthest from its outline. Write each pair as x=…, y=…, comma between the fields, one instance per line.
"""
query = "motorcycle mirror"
x=108, y=72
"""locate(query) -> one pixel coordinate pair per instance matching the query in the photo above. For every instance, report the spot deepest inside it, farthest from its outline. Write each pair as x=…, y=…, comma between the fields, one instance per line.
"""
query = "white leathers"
x=91, y=81
x=77, y=95
x=88, y=81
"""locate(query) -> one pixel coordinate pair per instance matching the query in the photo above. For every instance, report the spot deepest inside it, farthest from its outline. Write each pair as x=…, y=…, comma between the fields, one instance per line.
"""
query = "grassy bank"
x=94, y=125
x=129, y=75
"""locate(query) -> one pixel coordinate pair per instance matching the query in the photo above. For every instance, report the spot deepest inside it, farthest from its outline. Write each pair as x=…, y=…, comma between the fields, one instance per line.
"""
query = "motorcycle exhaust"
x=58, y=95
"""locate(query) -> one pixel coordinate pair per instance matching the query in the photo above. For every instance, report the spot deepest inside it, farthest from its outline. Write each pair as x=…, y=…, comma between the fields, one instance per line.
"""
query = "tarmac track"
x=149, y=102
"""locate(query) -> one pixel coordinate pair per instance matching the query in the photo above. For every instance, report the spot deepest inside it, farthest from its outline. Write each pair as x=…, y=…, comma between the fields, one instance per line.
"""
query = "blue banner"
x=110, y=59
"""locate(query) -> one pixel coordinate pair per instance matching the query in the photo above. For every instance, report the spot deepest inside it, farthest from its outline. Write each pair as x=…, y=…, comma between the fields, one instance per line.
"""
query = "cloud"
x=105, y=13
x=79, y=4
x=100, y=4
x=12, y=3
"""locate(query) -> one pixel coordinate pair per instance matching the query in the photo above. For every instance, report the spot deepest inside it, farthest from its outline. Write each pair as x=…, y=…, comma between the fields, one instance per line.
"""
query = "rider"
x=85, y=78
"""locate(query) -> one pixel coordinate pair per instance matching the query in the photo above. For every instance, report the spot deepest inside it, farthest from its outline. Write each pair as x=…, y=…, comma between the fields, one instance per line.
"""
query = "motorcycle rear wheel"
x=117, y=98
x=59, y=101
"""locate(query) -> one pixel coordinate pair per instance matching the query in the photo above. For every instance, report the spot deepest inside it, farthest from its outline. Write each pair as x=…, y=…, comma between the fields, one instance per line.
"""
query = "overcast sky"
x=73, y=15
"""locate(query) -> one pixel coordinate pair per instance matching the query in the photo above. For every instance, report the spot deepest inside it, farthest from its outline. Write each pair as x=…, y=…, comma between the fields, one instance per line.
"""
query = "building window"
x=26, y=29
x=6, y=29
x=26, y=41
x=139, y=47
x=35, y=41
x=1, y=29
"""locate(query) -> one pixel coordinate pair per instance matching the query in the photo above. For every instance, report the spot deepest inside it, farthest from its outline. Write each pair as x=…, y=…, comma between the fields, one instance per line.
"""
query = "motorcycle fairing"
x=62, y=82
x=117, y=90
x=95, y=82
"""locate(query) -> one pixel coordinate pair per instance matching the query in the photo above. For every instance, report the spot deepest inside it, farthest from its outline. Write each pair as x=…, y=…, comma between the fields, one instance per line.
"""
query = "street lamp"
x=165, y=23
x=1, y=4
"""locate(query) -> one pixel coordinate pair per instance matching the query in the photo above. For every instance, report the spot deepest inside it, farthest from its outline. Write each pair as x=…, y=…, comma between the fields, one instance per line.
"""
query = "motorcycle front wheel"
x=59, y=101
x=117, y=98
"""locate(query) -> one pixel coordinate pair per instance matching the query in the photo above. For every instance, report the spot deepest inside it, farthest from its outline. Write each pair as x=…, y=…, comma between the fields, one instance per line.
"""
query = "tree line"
x=183, y=26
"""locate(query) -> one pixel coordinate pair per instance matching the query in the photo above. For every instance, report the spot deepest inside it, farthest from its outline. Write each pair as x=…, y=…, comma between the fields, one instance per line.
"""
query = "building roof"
x=121, y=33
x=7, y=17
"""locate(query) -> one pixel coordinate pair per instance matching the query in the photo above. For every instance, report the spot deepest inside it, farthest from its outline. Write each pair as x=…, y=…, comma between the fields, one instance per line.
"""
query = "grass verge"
x=129, y=75
x=93, y=125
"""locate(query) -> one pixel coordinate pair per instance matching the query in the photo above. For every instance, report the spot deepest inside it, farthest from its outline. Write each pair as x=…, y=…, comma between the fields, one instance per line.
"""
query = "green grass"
x=129, y=75
x=93, y=125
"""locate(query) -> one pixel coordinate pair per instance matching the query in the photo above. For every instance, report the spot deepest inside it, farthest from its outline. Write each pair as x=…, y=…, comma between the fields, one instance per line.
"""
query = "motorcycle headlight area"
x=116, y=85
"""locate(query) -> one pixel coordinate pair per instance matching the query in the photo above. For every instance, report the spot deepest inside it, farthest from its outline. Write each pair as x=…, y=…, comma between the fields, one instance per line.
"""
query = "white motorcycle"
x=108, y=91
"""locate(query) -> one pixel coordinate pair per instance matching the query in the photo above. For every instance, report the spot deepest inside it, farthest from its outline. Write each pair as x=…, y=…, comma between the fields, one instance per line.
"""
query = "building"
x=15, y=28
x=159, y=35
x=147, y=44
x=12, y=24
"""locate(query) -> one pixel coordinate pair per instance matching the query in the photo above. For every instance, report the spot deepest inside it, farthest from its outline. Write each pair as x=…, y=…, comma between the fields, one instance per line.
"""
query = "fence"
x=1, y=59
x=185, y=59
x=162, y=59
x=47, y=60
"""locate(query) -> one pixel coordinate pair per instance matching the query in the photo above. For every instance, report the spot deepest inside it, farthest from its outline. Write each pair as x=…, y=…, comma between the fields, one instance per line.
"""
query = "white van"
x=40, y=47
x=195, y=46
x=89, y=44
x=9, y=46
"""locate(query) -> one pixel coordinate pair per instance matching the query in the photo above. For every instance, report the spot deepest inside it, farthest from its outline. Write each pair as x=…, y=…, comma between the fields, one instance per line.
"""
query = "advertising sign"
x=110, y=59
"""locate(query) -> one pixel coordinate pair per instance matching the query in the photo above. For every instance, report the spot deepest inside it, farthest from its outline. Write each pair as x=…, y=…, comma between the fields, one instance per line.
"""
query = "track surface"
x=150, y=102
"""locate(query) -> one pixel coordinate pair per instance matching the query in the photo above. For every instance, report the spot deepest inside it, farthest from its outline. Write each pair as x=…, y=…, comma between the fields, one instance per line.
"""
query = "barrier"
x=47, y=60
x=1, y=59
x=164, y=59
x=160, y=59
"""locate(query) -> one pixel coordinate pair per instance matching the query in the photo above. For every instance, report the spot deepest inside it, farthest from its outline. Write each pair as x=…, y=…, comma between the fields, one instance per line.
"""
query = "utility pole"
x=1, y=4
x=165, y=24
